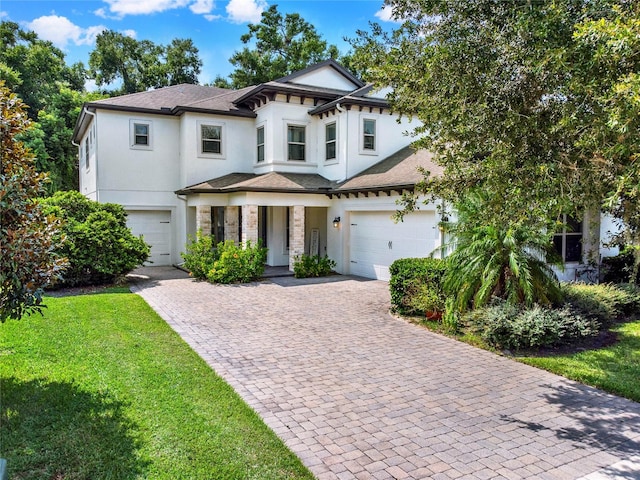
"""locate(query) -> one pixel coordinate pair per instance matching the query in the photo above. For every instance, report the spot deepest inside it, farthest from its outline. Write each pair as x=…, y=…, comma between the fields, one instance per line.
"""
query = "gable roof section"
x=318, y=66
x=400, y=171
x=359, y=97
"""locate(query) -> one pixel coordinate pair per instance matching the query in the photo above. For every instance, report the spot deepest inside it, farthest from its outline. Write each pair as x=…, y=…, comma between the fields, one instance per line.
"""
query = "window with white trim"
x=260, y=144
x=568, y=242
x=369, y=134
x=296, y=142
x=140, y=134
x=330, y=141
x=210, y=139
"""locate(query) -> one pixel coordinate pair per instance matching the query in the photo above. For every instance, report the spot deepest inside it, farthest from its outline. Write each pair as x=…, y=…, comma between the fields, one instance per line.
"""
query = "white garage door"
x=155, y=226
x=376, y=241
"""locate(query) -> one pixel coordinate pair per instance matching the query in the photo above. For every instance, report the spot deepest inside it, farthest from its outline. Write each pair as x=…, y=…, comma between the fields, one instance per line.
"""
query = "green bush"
x=99, y=245
x=200, y=255
x=605, y=302
x=416, y=285
x=306, y=266
x=619, y=269
x=504, y=325
x=237, y=264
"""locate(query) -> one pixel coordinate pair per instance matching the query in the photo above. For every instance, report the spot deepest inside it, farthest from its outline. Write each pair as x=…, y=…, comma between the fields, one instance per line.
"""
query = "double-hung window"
x=296, y=142
x=330, y=141
x=260, y=144
x=568, y=242
x=140, y=134
x=369, y=134
x=211, y=139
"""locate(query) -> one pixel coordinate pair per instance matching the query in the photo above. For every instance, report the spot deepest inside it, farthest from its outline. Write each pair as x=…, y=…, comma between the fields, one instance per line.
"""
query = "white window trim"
x=294, y=123
x=132, y=133
x=223, y=141
x=376, y=138
x=330, y=161
x=569, y=233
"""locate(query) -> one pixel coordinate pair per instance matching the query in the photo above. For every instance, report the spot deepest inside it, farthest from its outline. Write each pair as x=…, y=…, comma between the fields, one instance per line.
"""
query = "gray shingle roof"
x=399, y=171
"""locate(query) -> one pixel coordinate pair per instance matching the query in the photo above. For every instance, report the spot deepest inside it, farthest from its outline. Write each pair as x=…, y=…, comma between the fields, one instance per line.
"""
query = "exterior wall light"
x=336, y=222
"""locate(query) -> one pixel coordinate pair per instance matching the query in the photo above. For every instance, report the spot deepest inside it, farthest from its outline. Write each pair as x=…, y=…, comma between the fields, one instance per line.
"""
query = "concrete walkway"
x=356, y=393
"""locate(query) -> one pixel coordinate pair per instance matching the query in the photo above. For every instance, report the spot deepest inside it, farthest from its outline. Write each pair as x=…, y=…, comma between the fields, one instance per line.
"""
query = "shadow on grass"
x=55, y=430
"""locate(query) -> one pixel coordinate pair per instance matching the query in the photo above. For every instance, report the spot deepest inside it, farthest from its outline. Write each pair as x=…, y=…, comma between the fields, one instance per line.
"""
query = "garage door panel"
x=155, y=227
x=376, y=241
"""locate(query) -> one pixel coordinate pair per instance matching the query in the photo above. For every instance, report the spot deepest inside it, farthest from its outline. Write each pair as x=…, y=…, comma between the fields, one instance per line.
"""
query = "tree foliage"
x=536, y=103
x=28, y=237
x=283, y=44
x=54, y=93
x=142, y=64
x=99, y=245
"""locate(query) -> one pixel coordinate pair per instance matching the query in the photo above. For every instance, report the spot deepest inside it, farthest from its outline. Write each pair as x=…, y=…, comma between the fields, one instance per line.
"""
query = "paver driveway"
x=356, y=393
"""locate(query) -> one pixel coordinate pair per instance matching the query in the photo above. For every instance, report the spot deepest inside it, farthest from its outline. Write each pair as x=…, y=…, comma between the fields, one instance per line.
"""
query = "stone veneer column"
x=296, y=233
x=203, y=219
x=250, y=223
x=231, y=224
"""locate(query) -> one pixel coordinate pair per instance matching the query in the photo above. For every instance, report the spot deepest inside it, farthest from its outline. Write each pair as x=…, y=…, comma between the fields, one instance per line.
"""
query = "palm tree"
x=507, y=261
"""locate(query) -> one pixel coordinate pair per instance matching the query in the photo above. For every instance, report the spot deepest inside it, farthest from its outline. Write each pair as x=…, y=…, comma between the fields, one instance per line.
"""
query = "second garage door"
x=155, y=226
x=376, y=241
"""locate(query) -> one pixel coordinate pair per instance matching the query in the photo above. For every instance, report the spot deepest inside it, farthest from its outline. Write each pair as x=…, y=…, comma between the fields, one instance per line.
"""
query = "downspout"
x=95, y=121
x=346, y=142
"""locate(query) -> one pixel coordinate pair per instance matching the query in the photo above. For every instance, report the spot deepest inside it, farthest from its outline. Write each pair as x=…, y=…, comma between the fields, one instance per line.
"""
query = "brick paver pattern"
x=359, y=394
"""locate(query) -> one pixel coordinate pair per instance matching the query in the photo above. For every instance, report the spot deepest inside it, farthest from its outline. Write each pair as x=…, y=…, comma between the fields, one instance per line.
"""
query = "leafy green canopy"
x=99, y=245
x=142, y=64
x=534, y=102
x=283, y=44
x=28, y=261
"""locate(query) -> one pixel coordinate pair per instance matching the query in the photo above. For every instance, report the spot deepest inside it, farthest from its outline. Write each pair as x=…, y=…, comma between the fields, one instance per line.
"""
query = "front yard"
x=101, y=388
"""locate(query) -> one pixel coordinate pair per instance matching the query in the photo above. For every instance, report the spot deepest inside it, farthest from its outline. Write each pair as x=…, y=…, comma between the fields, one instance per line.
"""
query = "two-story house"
x=310, y=163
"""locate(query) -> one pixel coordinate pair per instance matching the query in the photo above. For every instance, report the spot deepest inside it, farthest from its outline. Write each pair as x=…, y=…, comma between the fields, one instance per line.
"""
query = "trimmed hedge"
x=416, y=285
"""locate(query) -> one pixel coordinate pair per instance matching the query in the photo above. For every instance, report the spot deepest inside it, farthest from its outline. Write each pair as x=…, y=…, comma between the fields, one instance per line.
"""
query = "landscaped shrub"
x=312, y=266
x=504, y=325
x=200, y=255
x=604, y=302
x=237, y=264
x=416, y=285
x=618, y=269
x=99, y=245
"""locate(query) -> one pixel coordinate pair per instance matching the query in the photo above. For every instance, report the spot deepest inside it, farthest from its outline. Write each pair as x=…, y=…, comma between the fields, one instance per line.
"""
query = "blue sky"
x=215, y=26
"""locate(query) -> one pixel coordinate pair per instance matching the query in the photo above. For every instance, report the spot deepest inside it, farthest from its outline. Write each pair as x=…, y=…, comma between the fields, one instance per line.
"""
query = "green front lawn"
x=615, y=369
x=101, y=388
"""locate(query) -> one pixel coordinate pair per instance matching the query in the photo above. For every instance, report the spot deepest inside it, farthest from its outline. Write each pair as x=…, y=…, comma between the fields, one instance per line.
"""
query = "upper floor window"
x=260, y=144
x=368, y=134
x=568, y=242
x=87, y=152
x=296, y=142
x=330, y=141
x=140, y=133
x=211, y=139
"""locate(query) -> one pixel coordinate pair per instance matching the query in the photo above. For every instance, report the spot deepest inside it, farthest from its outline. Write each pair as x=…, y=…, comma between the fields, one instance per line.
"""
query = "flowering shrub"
x=316, y=266
x=200, y=255
x=236, y=264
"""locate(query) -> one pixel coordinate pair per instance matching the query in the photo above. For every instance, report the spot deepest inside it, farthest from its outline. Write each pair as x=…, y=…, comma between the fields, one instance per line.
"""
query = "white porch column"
x=296, y=233
x=231, y=223
x=203, y=219
x=250, y=224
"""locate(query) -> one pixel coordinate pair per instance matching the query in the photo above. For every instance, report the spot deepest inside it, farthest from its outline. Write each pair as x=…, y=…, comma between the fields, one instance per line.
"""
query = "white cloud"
x=211, y=18
x=130, y=33
x=241, y=11
x=4, y=14
x=386, y=15
x=143, y=7
x=60, y=31
x=200, y=7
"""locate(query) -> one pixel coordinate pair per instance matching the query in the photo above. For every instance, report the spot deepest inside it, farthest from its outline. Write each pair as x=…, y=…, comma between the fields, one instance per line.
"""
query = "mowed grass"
x=101, y=388
x=615, y=369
